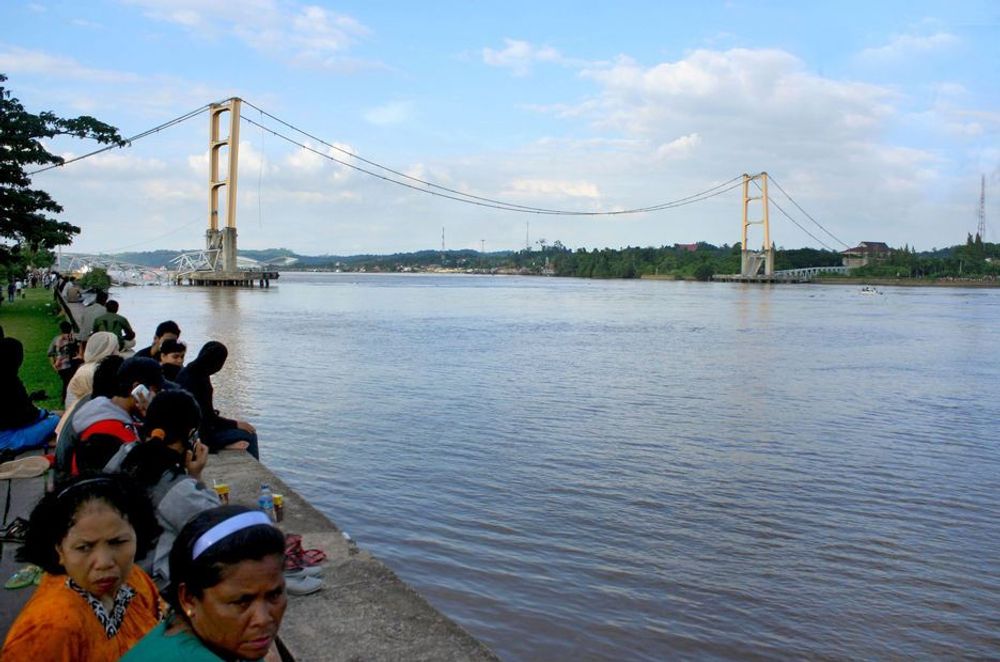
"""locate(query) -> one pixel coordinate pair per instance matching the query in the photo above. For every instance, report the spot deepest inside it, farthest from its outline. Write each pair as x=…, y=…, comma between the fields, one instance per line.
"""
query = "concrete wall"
x=364, y=612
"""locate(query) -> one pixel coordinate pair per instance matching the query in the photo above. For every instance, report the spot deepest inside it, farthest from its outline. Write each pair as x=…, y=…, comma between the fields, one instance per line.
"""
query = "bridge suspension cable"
x=796, y=223
x=792, y=200
x=480, y=201
x=439, y=190
x=128, y=141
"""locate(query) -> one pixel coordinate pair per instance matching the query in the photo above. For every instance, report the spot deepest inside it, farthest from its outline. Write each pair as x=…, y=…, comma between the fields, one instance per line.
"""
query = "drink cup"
x=222, y=489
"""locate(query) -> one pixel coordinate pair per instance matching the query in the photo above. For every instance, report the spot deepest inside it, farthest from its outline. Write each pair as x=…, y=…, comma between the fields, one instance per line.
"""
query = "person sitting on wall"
x=116, y=324
x=172, y=354
x=223, y=552
x=168, y=464
x=138, y=381
x=105, y=382
x=71, y=291
x=88, y=315
x=217, y=432
x=93, y=603
x=64, y=355
x=22, y=425
x=164, y=331
x=100, y=345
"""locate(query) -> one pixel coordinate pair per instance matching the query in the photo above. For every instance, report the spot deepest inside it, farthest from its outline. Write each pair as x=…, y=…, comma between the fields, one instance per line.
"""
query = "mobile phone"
x=141, y=395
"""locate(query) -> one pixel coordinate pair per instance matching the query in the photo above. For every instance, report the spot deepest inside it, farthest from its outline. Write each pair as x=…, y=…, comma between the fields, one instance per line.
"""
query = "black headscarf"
x=212, y=357
x=18, y=410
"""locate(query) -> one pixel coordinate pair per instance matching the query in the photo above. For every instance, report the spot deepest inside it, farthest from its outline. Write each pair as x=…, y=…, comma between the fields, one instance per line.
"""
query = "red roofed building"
x=865, y=252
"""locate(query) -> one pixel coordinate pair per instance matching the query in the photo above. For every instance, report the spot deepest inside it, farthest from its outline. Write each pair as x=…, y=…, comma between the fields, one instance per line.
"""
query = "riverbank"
x=909, y=282
x=882, y=282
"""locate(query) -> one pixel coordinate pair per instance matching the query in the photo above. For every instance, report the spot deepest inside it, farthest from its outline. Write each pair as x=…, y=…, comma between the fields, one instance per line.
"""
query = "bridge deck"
x=228, y=279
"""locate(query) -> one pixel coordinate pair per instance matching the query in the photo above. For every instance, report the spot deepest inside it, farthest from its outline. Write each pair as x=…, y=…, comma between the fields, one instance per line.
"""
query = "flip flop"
x=26, y=576
x=311, y=557
x=15, y=531
x=26, y=467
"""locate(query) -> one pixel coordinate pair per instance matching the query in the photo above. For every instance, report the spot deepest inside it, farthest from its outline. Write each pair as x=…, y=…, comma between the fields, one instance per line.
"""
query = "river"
x=642, y=470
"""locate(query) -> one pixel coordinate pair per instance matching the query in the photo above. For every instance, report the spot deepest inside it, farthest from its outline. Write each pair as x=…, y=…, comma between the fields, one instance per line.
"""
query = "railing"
x=120, y=272
x=811, y=271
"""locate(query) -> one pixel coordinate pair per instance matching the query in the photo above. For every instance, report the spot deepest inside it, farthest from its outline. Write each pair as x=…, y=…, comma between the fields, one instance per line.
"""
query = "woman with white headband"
x=226, y=588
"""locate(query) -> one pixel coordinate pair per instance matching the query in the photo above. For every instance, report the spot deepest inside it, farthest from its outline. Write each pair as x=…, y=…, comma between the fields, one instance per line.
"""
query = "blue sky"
x=878, y=118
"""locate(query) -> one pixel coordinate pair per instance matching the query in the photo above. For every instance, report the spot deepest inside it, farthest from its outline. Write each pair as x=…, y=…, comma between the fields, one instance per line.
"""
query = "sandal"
x=297, y=558
x=15, y=531
x=311, y=557
x=26, y=576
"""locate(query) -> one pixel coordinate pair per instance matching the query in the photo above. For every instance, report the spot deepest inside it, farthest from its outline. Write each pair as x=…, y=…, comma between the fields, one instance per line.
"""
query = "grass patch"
x=32, y=320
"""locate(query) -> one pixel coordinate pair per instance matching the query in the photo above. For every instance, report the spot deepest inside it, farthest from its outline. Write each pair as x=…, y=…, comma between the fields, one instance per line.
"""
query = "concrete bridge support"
x=753, y=262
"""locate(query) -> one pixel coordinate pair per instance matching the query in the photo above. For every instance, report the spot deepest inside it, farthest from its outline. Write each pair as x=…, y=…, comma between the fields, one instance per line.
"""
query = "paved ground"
x=364, y=612
x=17, y=497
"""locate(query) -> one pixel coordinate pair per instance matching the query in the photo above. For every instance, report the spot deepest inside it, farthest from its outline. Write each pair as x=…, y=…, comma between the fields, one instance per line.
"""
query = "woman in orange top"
x=93, y=603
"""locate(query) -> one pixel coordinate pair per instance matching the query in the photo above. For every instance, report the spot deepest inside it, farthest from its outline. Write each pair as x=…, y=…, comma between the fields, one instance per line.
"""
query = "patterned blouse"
x=64, y=623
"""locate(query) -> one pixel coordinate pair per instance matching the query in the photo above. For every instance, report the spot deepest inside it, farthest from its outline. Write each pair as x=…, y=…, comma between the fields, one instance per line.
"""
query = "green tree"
x=95, y=279
x=25, y=212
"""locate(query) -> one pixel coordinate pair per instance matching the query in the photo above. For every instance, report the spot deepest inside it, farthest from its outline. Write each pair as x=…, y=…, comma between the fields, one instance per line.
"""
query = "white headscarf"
x=99, y=346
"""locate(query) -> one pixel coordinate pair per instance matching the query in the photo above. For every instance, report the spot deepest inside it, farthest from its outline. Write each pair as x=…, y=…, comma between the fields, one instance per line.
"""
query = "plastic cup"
x=222, y=489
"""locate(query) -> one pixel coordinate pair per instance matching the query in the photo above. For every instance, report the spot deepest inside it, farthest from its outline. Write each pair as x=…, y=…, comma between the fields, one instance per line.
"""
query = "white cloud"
x=392, y=113
x=302, y=34
x=17, y=60
x=519, y=56
x=908, y=45
x=552, y=187
x=680, y=148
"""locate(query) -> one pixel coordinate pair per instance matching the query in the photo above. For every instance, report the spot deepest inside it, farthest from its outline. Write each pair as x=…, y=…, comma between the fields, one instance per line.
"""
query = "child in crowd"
x=172, y=357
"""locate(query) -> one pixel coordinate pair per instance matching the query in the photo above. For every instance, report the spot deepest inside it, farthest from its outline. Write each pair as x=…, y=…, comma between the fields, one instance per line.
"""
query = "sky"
x=877, y=119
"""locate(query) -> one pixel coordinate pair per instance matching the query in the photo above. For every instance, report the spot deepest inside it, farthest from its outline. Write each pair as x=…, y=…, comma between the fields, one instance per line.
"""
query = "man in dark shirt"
x=217, y=432
x=114, y=323
x=164, y=330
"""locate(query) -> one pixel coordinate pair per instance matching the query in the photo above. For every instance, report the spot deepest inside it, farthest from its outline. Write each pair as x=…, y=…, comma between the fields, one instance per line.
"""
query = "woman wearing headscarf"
x=22, y=424
x=99, y=345
x=217, y=432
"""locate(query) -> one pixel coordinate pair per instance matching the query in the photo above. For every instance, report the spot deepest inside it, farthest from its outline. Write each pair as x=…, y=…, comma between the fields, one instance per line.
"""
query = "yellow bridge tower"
x=753, y=262
x=223, y=242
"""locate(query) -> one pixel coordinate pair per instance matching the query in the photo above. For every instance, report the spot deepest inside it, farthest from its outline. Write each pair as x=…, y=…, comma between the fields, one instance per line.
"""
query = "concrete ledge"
x=364, y=612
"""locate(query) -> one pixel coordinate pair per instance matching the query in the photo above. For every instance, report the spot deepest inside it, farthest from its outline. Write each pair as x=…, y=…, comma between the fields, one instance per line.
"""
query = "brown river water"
x=610, y=470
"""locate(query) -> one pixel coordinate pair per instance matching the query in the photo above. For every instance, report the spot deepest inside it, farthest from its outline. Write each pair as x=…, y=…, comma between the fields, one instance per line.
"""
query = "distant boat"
x=870, y=290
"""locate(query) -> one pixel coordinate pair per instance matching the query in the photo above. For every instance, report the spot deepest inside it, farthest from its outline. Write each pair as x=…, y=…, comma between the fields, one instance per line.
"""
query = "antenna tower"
x=981, y=231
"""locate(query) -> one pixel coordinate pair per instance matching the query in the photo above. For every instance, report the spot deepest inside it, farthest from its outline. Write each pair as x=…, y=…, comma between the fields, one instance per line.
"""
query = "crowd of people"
x=130, y=520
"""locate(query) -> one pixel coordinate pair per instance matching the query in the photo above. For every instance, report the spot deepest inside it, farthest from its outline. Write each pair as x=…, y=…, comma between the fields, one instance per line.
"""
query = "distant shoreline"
x=909, y=282
x=884, y=282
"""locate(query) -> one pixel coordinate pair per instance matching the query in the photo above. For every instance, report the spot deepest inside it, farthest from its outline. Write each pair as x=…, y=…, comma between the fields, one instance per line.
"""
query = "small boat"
x=870, y=290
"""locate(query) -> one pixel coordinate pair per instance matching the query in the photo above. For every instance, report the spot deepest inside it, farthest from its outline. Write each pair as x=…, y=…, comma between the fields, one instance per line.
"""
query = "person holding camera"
x=168, y=465
x=113, y=421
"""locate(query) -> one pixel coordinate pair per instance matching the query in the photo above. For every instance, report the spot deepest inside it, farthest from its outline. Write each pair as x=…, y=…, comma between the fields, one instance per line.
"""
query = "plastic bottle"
x=265, y=500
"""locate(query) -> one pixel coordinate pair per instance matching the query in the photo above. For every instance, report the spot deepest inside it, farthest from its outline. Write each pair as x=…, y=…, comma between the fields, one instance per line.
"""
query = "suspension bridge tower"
x=222, y=242
x=218, y=264
x=753, y=262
